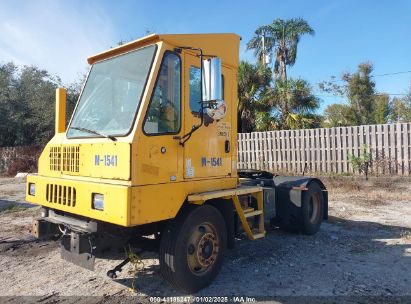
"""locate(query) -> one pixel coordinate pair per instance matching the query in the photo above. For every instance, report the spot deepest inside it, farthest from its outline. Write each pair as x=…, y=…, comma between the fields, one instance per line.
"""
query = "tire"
x=288, y=224
x=192, y=248
x=312, y=209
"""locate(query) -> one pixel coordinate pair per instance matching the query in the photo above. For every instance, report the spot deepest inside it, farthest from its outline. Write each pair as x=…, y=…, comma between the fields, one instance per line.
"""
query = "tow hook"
x=112, y=273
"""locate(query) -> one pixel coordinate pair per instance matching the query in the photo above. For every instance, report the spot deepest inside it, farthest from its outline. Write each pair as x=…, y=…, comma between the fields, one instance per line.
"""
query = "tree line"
x=268, y=98
x=363, y=104
x=27, y=104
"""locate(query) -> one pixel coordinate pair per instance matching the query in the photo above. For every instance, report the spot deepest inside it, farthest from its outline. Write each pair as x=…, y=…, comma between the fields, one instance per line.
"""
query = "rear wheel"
x=192, y=248
x=312, y=209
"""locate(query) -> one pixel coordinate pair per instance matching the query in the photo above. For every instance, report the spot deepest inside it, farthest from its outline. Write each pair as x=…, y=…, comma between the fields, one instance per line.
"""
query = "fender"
x=291, y=189
x=289, y=193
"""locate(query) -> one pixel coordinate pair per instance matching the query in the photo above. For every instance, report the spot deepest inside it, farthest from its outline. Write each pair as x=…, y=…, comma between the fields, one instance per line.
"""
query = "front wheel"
x=192, y=248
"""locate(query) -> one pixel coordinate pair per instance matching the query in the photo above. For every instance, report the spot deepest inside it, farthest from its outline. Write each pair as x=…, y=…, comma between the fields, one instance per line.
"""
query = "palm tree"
x=253, y=84
x=283, y=37
x=294, y=104
x=256, y=43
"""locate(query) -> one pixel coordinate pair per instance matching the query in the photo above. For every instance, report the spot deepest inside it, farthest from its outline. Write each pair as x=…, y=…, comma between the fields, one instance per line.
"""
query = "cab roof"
x=225, y=46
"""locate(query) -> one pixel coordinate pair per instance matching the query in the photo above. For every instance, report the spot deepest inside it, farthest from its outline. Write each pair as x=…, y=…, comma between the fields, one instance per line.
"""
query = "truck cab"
x=121, y=160
x=151, y=148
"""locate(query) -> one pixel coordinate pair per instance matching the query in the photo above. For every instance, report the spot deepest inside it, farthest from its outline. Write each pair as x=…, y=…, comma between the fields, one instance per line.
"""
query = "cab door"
x=208, y=152
x=157, y=151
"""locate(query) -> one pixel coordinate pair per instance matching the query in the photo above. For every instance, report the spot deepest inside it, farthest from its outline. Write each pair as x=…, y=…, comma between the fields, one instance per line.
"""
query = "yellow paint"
x=244, y=215
x=60, y=110
x=225, y=46
x=116, y=198
x=151, y=203
x=154, y=175
x=51, y=164
x=208, y=143
x=223, y=193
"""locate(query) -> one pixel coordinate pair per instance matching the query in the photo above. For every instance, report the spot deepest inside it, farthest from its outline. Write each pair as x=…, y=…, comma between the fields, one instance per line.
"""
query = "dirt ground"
x=364, y=250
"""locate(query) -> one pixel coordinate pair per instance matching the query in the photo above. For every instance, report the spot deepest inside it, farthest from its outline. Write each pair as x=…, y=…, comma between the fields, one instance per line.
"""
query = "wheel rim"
x=202, y=249
x=314, y=208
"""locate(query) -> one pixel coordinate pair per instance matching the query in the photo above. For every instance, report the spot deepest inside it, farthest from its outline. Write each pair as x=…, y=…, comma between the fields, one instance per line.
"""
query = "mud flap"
x=78, y=249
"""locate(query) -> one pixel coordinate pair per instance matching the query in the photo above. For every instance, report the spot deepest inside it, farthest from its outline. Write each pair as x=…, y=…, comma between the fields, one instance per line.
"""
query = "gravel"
x=363, y=250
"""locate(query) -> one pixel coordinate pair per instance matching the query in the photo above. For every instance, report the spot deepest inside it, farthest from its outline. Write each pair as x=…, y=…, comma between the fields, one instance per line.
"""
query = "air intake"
x=65, y=159
x=55, y=158
x=59, y=194
x=71, y=158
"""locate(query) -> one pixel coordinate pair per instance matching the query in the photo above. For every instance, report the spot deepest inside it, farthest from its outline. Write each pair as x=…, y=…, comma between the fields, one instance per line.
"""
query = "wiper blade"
x=94, y=132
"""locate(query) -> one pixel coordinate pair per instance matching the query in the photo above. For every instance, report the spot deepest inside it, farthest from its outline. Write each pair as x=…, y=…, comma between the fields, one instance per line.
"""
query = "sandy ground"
x=364, y=250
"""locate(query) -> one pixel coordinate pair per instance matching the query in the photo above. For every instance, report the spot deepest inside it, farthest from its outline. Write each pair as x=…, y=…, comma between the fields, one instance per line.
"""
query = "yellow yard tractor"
x=149, y=161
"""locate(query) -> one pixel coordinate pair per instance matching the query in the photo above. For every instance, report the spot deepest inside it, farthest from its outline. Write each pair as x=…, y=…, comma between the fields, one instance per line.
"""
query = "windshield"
x=111, y=95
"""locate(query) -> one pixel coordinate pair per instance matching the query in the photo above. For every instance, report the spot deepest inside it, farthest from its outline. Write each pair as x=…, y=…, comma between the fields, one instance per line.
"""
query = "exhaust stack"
x=60, y=110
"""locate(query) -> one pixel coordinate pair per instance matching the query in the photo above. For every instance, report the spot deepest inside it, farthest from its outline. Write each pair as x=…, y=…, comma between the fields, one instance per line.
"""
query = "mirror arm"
x=208, y=56
x=183, y=139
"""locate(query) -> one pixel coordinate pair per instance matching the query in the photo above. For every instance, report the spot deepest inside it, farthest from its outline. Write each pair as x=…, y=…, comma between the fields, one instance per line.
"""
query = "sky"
x=59, y=35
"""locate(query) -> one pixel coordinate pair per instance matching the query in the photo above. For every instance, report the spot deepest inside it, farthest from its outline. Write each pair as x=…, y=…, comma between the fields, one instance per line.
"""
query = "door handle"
x=227, y=146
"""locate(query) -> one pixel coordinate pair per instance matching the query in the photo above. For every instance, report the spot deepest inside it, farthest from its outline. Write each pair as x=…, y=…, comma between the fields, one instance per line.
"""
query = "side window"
x=163, y=114
x=195, y=89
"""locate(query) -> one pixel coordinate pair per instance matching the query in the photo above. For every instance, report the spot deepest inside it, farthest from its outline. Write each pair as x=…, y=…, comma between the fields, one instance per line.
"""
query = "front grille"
x=65, y=159
x=71, y=158
x=59, y=194
x=55, y=158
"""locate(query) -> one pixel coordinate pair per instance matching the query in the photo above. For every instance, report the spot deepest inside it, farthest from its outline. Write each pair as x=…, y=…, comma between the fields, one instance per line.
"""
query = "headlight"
x=98, y=201
x=32, y=189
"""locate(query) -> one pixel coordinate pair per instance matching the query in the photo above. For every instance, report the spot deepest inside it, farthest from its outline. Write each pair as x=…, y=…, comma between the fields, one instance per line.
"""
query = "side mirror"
x=212, y=86
x=60, y=110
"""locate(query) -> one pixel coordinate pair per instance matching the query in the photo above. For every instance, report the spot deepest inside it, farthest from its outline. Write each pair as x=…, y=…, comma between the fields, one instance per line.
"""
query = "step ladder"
x=243, y=214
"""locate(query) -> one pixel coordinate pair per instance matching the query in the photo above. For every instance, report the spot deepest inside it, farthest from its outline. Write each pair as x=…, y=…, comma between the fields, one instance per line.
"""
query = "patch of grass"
x=336, y=175
x=12, y=208
x=389, y=182
x=359, y=183
x=376, y=191
x=340, y=183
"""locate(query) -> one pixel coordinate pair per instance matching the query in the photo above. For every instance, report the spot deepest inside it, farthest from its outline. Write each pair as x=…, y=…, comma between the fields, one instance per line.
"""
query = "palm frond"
x=256, y=43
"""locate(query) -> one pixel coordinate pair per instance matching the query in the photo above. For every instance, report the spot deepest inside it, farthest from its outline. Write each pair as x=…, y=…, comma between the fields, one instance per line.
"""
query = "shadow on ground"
x=345, y=258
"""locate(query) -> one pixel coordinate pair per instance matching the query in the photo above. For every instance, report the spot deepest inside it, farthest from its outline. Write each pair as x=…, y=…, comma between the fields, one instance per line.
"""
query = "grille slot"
x=55, y=158
x=59, y=194
x=71, y=158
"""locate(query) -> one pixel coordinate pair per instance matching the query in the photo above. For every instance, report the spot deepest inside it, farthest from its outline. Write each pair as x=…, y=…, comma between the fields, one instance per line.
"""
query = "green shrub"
x=361, y=163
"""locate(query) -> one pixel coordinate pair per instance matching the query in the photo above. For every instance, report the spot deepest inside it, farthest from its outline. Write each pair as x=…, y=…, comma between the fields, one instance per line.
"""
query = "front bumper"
x=75, y=196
